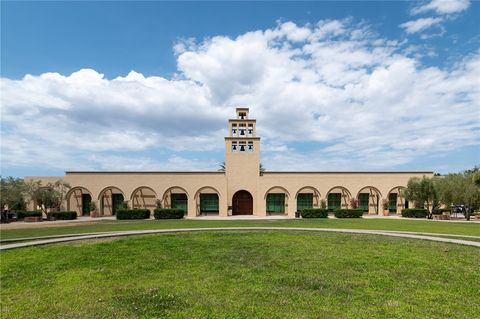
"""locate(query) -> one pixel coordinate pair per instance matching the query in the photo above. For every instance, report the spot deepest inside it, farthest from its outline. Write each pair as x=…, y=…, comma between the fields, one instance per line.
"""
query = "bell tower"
x=242, y=146
x=242, y=164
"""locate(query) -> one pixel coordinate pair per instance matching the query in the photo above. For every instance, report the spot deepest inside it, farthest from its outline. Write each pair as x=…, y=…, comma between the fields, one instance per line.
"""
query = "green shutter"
x=363, y=199
x=209, y=203
x=276, y=203
x=392, y=202
x=179, y=201
x=304, y=201
x=334, y=201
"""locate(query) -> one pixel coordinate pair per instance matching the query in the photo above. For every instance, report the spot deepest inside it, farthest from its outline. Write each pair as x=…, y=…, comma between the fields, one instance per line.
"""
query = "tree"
x=61, y=189
x=48, y=197
x=261, y=168
x=423, y=193
x=12, y=193
x=460, y=189
x=222, y=167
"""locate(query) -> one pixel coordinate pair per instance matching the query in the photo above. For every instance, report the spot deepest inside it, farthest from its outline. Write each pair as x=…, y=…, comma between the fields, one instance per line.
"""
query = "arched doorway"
x=242, y=203
x=79, y=199
x=111, y=199
x=369, y=200
x=396, y=201
x=338, y=198
x=176, y=197
x=276, y=201
x=207, y=200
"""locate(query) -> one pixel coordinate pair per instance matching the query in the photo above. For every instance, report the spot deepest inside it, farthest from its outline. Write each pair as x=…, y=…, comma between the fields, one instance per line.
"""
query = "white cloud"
x=421, y=24
x=356, y=100
x=445, y=9
x=442, y=6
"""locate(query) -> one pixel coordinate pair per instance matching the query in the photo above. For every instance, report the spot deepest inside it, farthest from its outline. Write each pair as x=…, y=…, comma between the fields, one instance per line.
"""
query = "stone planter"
x=441, y=217
x=386, y=212
x=33, y=219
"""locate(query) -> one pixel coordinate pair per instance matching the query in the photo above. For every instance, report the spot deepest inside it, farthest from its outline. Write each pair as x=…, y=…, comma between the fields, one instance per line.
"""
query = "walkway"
x=67, y=238
x=87, y=220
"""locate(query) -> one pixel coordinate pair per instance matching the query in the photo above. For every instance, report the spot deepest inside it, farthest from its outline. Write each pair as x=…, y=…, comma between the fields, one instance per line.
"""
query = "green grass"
x=378, y=224
x=265, y=274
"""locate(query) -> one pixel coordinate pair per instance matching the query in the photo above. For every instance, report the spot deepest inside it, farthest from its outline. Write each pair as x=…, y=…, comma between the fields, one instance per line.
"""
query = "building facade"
x=240, y=189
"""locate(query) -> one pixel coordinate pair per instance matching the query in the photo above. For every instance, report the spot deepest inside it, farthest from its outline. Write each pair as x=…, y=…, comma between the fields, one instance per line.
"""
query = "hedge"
x=314, y=213
x=414, y=212
x=62, y=215
x=349, y=213
x=22, y=214
x=168, y=213
x=133, y=214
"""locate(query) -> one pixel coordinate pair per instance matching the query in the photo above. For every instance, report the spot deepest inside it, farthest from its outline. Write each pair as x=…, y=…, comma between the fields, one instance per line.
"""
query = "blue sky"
x=336, y=85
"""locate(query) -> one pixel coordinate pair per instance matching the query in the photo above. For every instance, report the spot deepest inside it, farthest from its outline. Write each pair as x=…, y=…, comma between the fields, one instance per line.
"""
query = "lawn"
x=267, y=274
x=430, y=226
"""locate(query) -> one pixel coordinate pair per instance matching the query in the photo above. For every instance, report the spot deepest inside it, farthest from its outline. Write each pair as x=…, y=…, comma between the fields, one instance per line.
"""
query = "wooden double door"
x=242, y=203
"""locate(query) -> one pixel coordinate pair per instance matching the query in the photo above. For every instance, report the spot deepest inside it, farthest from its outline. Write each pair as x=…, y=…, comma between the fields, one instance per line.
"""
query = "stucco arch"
x=278, y=189
x=143, y=197
x=345, y=195
x=105, y=199
x=274, y=203
x=108, y=188
x=166, y=198
x=74, y=199
x=374, y=199
x=397, y=189
x=303, y=189
x=309, y=190
x=401, y=202
x=205, y=190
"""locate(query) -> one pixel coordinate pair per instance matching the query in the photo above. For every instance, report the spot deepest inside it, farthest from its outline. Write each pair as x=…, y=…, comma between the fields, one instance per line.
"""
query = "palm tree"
x=261, y=168
x=222, y=167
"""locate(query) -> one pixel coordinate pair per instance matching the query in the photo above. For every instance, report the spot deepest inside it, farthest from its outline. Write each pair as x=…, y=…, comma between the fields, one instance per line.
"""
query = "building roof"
x=348, y=172
x=145, y=172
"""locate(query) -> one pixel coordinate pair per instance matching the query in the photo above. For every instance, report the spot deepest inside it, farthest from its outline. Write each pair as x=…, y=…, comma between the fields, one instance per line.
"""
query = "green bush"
x=314, y=213
x=133, y=214
x=414, y=212
x=348, y=213
x=62, y=215
x=168, y=213
x=22, y=214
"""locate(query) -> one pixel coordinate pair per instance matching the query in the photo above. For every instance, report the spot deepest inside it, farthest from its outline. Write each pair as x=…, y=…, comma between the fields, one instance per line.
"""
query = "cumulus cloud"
x=358, y=101
x=442, y=6
x=421, y=24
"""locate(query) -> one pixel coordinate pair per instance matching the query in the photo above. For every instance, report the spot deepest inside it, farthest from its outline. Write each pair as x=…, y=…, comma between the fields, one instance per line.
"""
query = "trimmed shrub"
x=62, y=215
x=168, y=213
x=414, y=212
x=22, y=214
x=348, y=213
x=314, y=213
x=133, y=214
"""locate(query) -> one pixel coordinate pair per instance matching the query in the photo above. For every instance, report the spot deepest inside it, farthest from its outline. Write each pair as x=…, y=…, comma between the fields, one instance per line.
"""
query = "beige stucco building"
x=241, y=189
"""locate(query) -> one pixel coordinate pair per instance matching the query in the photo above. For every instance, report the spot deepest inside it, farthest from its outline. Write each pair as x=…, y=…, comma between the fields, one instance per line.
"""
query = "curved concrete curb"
x=23, y=239
x=182, y=230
